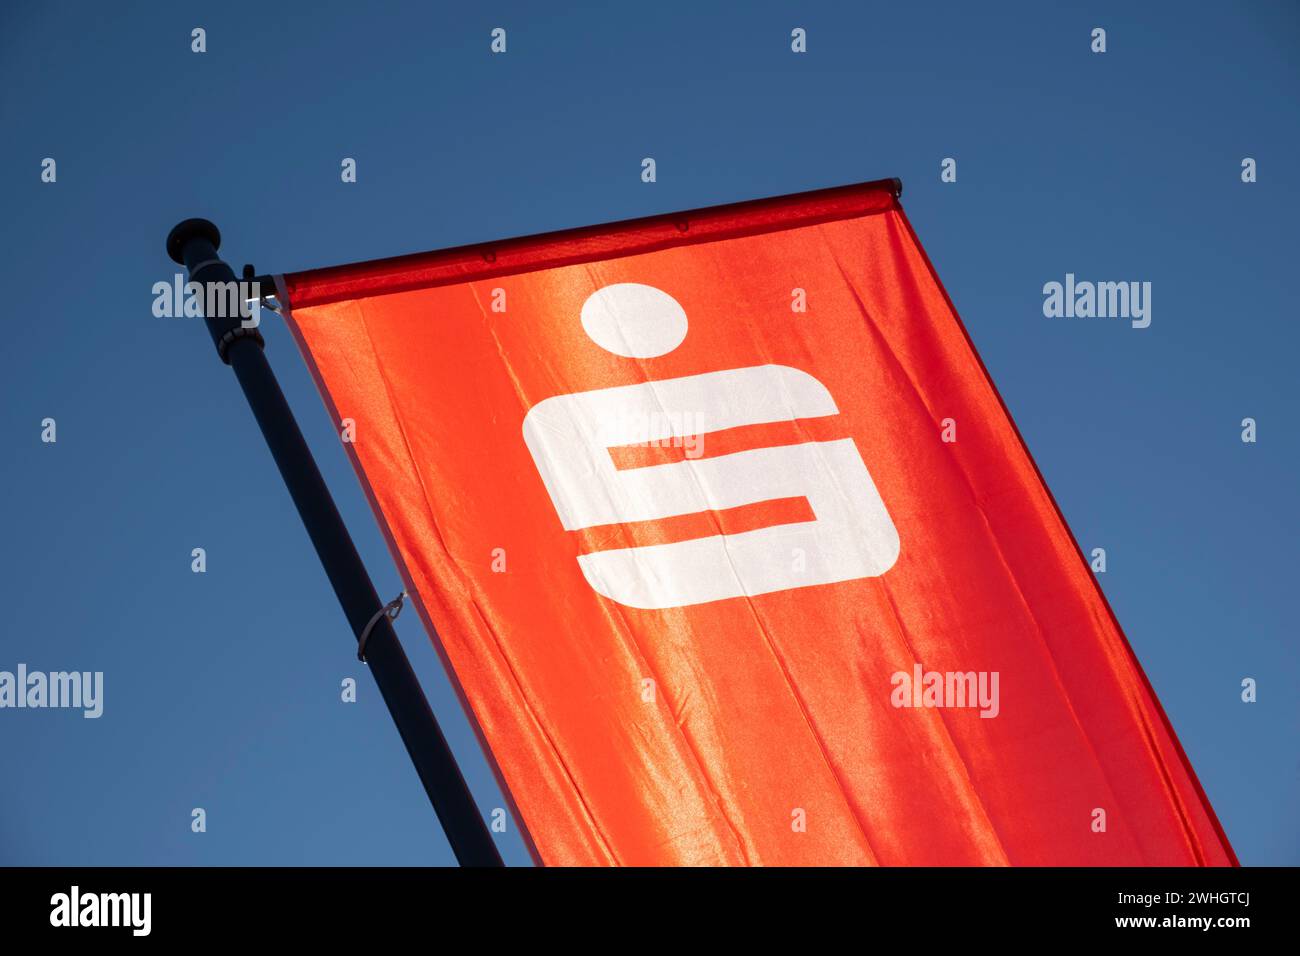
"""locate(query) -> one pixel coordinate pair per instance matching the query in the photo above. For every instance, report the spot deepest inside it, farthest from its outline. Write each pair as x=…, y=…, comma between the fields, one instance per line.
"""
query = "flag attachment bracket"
x=392, y=609
x=263, y=282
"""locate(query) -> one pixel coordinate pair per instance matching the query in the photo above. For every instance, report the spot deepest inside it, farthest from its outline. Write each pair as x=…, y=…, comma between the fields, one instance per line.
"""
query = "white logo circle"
x=634, y=320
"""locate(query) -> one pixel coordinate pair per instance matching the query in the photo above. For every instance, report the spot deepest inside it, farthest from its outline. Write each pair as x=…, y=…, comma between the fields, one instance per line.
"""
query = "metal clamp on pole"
x=392, y=609
x=194, y=243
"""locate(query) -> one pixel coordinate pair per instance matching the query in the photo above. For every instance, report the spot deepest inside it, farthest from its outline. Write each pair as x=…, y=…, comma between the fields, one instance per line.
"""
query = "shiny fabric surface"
x=770, y=733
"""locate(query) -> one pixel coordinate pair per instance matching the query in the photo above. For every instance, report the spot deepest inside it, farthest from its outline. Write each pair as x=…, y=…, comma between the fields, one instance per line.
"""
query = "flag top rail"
x=486, y=260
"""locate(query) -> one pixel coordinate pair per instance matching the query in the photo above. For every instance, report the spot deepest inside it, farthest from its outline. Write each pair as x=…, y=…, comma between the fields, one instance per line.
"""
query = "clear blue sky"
x=222, y=689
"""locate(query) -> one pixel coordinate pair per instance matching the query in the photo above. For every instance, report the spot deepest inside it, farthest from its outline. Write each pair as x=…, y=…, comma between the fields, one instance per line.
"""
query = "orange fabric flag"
x=735, y=554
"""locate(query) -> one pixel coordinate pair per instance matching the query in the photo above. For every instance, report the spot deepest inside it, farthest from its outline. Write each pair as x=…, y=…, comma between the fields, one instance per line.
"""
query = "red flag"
x=735, y=554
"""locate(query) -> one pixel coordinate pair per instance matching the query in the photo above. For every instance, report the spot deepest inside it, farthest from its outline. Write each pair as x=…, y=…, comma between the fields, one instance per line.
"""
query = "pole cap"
x=189, y=229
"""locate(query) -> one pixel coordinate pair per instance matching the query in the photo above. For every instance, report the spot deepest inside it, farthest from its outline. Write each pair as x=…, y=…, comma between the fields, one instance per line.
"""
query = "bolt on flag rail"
x=733, y=551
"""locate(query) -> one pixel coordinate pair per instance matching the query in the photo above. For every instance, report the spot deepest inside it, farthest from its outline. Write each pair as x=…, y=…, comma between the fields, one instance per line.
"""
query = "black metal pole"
x=193, y=243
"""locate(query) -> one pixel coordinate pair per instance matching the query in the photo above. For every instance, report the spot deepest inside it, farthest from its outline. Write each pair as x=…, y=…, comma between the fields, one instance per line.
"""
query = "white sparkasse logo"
x=569, y=437
x=103, y=909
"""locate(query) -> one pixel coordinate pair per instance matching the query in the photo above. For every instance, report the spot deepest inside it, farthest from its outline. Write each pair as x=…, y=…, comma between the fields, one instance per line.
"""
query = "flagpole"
x=193, y=244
